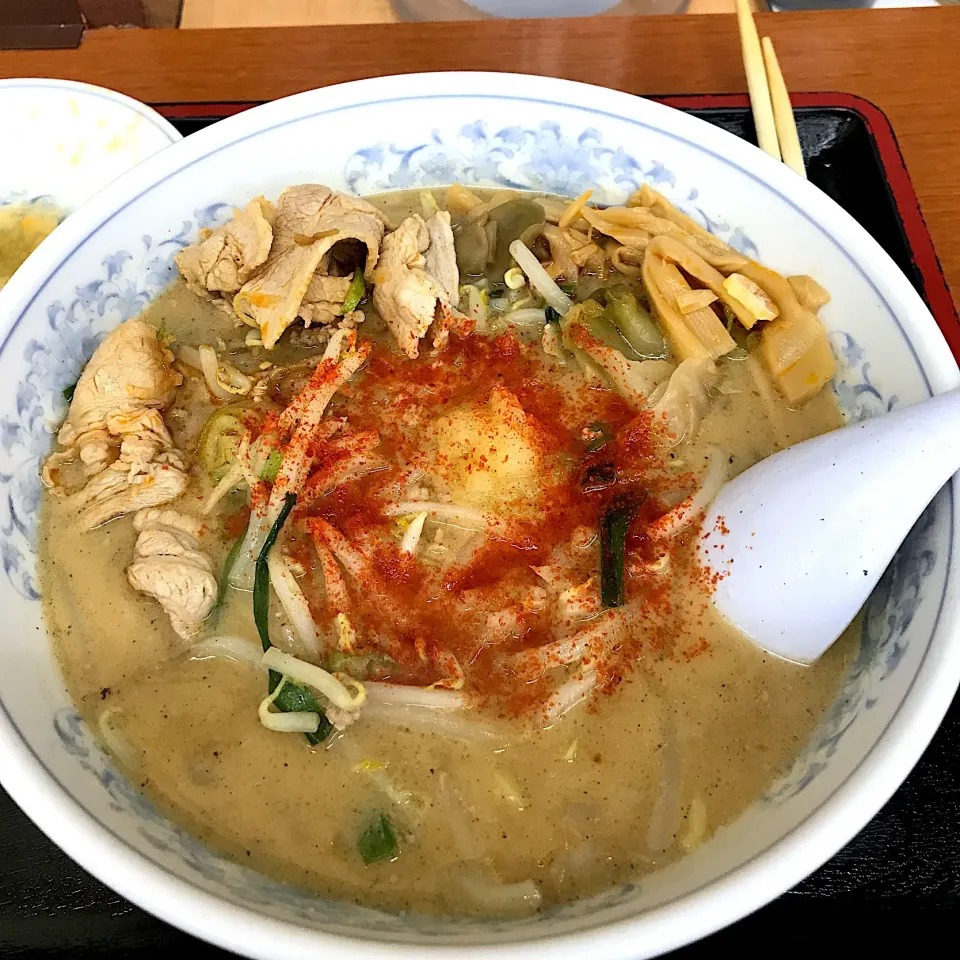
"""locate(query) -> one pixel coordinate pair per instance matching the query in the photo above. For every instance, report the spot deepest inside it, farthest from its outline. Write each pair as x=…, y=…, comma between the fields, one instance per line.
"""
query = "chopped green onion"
x=355, y=293
x=164, y=335
x=296, y=698
x=68, y=392
x=272, y=466
x=293, y=698
x=377, y=841
x=598, y=443
x=261, y=576
x=220, y=439
x=613, y=541
x=323, y=731
x=231, y=558
x=552, y=315
x=568, y=288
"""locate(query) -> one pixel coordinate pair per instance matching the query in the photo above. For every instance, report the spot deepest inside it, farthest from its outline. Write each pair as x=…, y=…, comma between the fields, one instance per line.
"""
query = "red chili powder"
x=419, y=615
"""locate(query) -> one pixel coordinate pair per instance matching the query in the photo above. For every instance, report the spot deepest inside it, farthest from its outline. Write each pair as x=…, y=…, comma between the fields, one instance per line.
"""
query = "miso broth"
x=523, y=738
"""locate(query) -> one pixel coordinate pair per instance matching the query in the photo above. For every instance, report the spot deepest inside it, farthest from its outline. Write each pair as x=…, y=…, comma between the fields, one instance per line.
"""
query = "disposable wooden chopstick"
x=757, y=81
x=786, y=126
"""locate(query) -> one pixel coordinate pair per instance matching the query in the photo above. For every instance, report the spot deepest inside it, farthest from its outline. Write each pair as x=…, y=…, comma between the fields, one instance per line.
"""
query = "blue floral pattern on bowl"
x=886, y=618
x=891, y=606
x=543, y=158
x=858, y=397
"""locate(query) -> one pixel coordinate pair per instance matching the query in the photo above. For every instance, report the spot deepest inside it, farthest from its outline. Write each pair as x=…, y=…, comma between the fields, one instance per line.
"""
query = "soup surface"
x=521, y=693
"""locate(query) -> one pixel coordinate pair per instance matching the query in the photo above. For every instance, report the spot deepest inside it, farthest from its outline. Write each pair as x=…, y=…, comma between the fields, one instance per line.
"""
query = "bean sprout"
x=529, y=317
x=441, y=723
x=337, y=596
x=232, y=478
x=568, y=695
x=411, y=539
x=224, y=380
x=514, y=278
x=455, y=813
x=333, y=686
x=539, y=279
x=492, y=896
x=450, y=512
x=230, y=647
x=208, y=364
x=294, y=603
x=115, y=741
x=423, y=697
x=297, y=721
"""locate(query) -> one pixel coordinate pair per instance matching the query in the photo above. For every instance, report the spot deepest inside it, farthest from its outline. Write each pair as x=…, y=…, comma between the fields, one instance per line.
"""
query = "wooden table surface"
x=903, y=873
x=905, y=61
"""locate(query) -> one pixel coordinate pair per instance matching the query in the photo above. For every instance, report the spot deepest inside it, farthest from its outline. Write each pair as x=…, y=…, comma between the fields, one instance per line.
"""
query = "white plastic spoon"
x=811, y=529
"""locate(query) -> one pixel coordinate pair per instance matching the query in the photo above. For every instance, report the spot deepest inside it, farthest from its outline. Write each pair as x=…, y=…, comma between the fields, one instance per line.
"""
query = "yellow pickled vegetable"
x=460, y=199
x=794, y=347
x=753, y=298
x=698, y=333
x=809, y=374
x=810, y=294
x=690, y=300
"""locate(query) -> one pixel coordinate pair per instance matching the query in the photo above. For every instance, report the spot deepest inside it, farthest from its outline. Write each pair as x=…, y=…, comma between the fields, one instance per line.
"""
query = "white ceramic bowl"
x=115, y=254
x=63, y=141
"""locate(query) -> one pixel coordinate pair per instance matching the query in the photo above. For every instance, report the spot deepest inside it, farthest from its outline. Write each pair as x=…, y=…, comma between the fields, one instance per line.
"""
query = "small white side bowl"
x=114, y=255
x=63, y=141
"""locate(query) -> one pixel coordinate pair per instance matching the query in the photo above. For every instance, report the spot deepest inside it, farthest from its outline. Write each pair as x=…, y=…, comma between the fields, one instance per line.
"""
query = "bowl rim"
x=717, y=903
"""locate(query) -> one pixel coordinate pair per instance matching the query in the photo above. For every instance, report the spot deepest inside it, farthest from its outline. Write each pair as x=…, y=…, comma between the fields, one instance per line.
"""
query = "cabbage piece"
x=638, y=381
x=637, y=326
x=682, y=404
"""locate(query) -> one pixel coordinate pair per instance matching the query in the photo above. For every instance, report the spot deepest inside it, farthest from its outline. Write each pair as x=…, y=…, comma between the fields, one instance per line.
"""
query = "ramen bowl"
x=115, y=255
